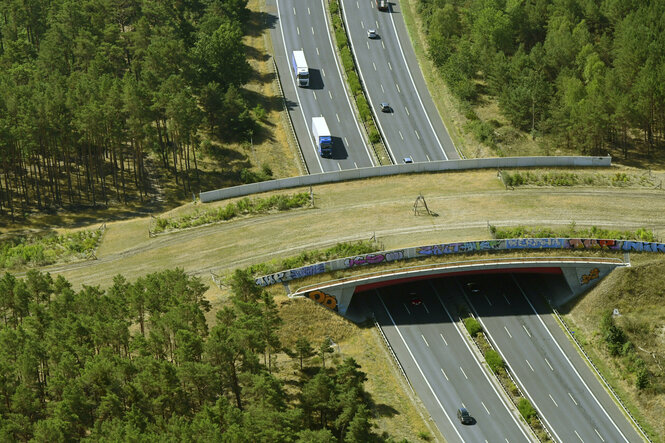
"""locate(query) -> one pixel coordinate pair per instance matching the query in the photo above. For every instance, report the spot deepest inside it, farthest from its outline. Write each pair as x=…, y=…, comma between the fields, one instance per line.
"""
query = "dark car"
x=464, y=417
x=385, y=107
x=472, y=287
x=416, y=301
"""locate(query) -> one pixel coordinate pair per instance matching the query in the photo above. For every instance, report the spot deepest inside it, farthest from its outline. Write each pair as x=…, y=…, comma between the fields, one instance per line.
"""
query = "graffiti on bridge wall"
x=374, y=258
x=453, y=248
x=459, y=248
x=592, y=275
x=291, y=274
x=329, y=301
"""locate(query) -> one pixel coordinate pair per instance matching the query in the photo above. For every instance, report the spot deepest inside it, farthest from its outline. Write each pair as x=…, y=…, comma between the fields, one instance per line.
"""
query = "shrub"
x=642, y=378
x=259, y=112
x=334, y=7
x=494, y=360
x=354, y=84
x=525, y=408
x=363, y=109
x=340, y=36
x=347, y=60
x=374, y=136
x=472, y=326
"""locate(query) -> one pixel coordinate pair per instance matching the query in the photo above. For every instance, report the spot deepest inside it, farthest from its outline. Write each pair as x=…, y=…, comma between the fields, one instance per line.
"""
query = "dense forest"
x=88, y=88
x=589, y=73
x=139, y=362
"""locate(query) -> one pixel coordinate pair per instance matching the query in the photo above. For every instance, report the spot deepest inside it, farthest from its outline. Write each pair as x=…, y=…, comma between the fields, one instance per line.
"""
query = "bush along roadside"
x=354, y=84
x=244, y=206
x=571, y=231
x=41, y=250
x=500, y=370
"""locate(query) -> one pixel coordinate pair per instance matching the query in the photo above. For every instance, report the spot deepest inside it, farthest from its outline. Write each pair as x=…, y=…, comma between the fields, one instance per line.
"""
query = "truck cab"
x=382, y=5
x=300, y=68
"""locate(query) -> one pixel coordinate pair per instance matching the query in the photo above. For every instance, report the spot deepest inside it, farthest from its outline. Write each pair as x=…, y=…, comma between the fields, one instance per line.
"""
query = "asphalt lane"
x=514, y=320
x=441, y=365
x=390, y=72
x=303, y=25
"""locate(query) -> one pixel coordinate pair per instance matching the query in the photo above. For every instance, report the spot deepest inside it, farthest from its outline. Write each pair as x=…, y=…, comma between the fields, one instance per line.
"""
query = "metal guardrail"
x=607, y=385
x=392, y=352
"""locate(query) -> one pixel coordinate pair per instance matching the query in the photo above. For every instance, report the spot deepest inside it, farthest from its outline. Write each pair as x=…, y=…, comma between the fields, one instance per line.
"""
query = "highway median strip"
x=501, y=371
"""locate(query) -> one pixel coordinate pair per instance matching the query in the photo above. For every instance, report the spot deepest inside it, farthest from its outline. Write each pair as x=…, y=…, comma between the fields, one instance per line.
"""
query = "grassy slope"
x=638, y=292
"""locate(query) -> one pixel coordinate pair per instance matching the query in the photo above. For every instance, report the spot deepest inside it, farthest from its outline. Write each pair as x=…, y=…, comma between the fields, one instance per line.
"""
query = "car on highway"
x=382, y=5
x=371, y=33
x=416, y=301
x=407, y=160
x=385, y=107
x=472, y=287
x=464, y=417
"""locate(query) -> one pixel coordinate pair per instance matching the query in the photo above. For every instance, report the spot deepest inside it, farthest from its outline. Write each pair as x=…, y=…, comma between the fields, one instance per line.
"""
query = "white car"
x=371, y=33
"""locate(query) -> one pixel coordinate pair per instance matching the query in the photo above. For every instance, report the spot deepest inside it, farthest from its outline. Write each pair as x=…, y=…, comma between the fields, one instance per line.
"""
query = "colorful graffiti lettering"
x=370, y=259
x=452, y=248
x=279, y=277
x=591, y=243
x=643, y=246
x=271, y=279
x=461, y=247
x=308, y=271
x=329, y=301
x=535, y=243
x=592, y=275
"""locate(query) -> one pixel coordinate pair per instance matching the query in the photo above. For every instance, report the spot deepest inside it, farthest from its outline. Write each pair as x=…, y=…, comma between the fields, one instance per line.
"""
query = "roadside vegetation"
x=243, y=207
x=571, y=231
x=552, y=76
x=27, y=251
x=516, y=178
x=629, y=347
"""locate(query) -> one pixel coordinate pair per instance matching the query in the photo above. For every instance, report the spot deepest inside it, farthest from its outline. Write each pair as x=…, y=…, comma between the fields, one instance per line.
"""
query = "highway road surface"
x=440, y=364
x=300, y=25
x=390, y=72
x=571, y=401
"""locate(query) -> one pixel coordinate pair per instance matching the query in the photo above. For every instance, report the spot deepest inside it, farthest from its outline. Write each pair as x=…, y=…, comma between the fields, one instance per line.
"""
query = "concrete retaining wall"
x=435, y=166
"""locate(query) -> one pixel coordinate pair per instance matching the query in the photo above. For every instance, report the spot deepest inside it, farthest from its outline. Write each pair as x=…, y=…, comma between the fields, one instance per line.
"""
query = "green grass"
x=41, y=250
x=570, y=178
x=571, y=231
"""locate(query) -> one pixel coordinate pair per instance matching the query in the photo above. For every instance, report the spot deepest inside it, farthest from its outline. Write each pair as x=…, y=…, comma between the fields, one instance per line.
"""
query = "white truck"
x=300, y=68
x=322, y=136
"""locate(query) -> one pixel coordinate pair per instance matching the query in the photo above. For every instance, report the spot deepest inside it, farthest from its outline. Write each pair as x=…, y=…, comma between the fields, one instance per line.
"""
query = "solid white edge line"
x=569, y=362
x=422, y=374
x=392, y=19
x=341, y=77
x=503, y=400
x=486, y=331
x=302, y=111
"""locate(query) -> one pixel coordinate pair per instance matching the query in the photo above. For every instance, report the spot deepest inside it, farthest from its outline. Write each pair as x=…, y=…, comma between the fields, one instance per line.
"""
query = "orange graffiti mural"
x=329, y=301
x=594, y=274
